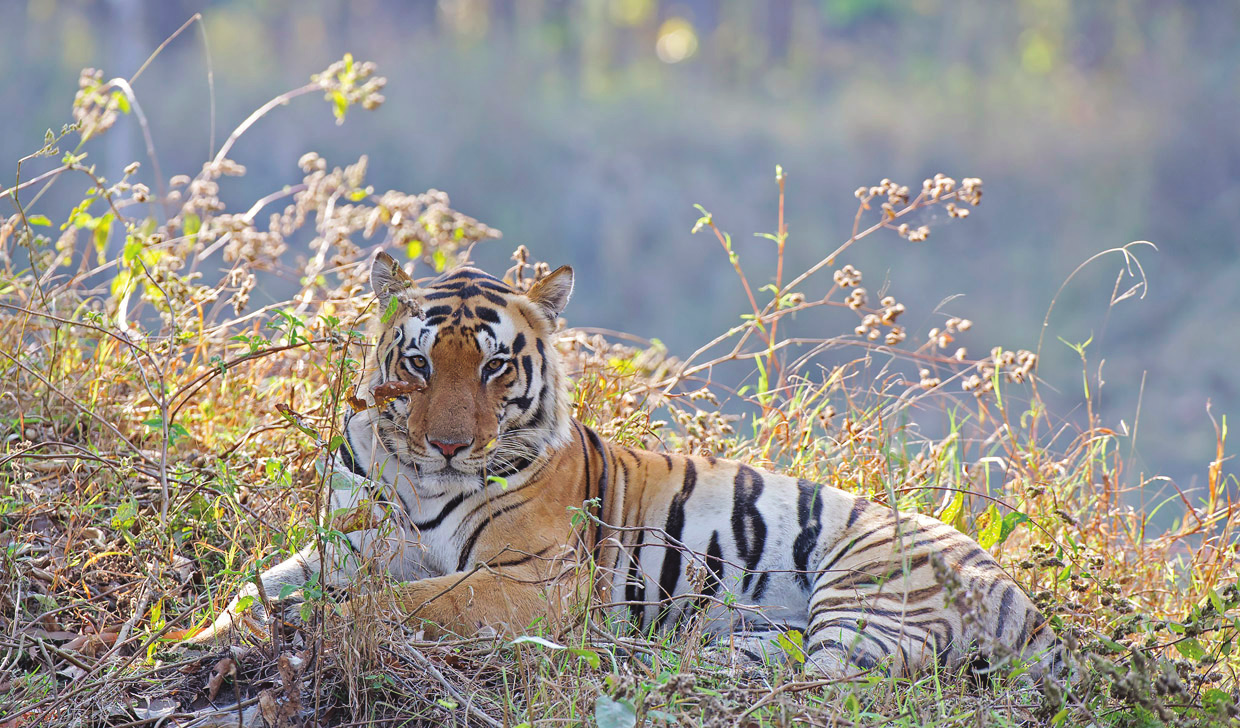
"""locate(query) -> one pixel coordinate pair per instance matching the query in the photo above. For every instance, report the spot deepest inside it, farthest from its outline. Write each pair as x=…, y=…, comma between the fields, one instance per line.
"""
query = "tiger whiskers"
x=518, y=443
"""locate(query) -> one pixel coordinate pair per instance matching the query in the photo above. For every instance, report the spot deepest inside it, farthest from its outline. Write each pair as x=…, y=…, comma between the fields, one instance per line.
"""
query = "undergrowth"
x=160, y=435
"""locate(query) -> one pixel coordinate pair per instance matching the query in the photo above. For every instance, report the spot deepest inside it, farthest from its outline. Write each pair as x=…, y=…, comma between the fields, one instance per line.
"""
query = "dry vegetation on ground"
x=160, y=434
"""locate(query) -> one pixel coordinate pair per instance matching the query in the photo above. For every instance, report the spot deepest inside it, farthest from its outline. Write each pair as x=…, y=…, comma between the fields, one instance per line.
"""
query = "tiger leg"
x=757, y=646
x=344, y=558
x=875, y=627
x=508, y=600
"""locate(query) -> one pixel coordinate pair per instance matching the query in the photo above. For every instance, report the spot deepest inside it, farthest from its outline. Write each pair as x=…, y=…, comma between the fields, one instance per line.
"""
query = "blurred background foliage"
x=588, y=129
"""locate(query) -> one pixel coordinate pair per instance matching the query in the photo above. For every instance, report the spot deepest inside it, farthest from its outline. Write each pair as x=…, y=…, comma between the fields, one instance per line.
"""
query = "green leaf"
x=702, y=221
x=176, y=431
x=389, y=312
x=294, y=420
x=1191, y=648
x=126, y=514
x=122, y=101
x=502, y=482
x=851, y=704
x=340, y=481
x=951, y=515
x=191, y=224
x=39, y=220
x=538, y=641
x=45, y=601
x=612, y=713
x=245, y=603
x=792, y=643
x=1215, y=699
x=448, y=703
x=287, y=590
x=82, y=219
x=340, y=106
x=1010, y=522
x=590, y=657
x=335, y=443
x=989, y=535
x=414, y=249
x=131, y=251
x=120, y=284
x=1217, y=602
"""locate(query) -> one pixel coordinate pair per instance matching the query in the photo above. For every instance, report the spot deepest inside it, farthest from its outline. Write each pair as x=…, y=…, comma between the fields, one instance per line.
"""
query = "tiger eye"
x=495, y=365
x=419, y=362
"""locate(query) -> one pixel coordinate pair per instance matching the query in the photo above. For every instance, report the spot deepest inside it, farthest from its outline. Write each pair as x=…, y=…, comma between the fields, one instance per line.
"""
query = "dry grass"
x=160, y=435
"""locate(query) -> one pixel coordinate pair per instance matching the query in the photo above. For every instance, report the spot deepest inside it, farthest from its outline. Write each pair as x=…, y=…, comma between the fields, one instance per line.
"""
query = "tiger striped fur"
x=471, y=470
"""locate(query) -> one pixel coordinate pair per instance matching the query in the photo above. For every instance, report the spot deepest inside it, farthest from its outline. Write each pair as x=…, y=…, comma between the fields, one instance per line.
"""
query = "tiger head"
x=479, y=389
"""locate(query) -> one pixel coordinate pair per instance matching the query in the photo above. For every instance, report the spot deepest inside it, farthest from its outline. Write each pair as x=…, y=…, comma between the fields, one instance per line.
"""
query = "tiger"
x=475, y=476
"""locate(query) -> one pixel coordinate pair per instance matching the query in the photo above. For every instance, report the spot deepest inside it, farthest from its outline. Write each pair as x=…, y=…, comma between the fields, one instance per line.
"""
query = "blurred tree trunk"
x=778, y=28
x=126, y=39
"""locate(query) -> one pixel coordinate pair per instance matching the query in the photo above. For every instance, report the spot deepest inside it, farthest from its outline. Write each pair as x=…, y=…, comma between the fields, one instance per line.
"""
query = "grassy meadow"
x=161, y=423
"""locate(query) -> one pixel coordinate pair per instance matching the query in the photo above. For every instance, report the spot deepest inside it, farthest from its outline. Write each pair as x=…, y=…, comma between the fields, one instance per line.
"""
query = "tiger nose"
x=448, y=449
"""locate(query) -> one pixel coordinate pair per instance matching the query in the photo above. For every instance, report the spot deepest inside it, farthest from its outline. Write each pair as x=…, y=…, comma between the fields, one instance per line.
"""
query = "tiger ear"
x=388, y=279
x=551, y=293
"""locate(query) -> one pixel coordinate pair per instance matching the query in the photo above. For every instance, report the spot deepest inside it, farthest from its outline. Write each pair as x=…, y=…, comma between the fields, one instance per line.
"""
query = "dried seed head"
x=847, y=277
x=311, y=161
x=892, y=312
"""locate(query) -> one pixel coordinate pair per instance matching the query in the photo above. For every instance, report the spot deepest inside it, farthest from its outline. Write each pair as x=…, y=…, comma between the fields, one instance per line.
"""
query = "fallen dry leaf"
x=184, y=568
x=89, y=645
x=223, y=669
x=273, y=712
x=50, y=635
x=290, y=674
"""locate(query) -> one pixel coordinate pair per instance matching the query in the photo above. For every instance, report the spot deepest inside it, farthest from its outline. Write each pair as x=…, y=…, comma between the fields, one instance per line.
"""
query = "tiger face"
x=479, y=393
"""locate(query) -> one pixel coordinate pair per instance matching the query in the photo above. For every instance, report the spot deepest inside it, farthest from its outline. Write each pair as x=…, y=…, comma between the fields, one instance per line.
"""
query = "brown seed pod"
x=391, y=390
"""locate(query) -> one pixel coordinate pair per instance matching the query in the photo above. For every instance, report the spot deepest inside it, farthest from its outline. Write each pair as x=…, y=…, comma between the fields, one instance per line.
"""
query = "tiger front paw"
x=245, y=614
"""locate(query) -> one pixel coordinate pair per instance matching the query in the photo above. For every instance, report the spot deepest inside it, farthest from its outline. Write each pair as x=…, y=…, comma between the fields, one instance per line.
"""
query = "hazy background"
x=587, y=130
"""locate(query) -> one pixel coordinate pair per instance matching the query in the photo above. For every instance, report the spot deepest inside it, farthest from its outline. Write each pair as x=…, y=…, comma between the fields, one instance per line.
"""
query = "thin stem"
x=161, y=187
